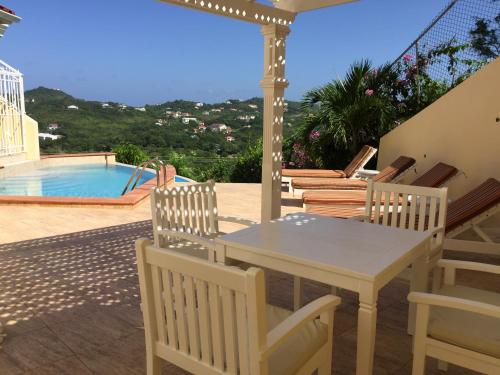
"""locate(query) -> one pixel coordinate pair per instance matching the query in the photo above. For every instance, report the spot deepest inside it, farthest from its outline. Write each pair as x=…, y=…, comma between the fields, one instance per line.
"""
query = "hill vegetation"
x=180, y=126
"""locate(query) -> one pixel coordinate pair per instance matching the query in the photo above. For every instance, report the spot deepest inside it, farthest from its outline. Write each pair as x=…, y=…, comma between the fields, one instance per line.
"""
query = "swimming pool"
x=87, y=180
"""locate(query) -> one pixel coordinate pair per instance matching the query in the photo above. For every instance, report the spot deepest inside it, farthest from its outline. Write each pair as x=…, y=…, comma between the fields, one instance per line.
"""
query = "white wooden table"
x=348, y=254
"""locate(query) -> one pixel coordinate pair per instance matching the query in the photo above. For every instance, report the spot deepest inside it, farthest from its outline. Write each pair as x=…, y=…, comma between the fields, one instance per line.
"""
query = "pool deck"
x=70, y=295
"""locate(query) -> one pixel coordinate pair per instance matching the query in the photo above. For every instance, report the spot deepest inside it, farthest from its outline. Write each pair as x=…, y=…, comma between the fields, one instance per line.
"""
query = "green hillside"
x=158, y=129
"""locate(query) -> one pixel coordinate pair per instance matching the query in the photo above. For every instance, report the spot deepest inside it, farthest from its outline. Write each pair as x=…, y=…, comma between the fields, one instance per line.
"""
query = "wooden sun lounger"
x=356, y=164
x=437, y=176
x=465, y=213
x=388, y=174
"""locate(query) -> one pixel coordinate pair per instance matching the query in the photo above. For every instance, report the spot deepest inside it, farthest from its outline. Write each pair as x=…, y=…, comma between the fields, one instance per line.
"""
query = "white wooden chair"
x=208, y=318
x=458, y=324
x=401, y=206
x=186, y=218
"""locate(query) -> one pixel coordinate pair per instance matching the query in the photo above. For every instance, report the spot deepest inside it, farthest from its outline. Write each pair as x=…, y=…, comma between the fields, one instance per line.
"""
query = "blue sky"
x=139, y=52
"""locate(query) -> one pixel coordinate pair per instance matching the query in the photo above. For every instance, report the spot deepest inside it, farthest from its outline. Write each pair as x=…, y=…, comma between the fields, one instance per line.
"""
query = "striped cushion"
x=397, y=167
x=473, y=203
x=359, y=160
x=436, y=176
x=321, y=173
x=356, y=163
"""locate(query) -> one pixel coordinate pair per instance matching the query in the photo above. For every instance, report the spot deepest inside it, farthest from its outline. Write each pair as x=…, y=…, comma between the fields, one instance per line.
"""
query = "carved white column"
x=273, y=86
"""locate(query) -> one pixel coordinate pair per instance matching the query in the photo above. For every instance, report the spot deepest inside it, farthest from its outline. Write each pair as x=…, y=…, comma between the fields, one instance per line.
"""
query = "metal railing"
x=156, y=164
x=12, y=134
x=464, y=37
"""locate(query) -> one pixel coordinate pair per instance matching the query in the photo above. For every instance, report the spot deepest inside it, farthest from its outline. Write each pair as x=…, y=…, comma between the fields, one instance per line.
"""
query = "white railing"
x=12, y=134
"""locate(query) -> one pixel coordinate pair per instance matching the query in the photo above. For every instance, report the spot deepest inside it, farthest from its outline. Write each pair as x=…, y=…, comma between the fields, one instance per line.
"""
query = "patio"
x=72, y=300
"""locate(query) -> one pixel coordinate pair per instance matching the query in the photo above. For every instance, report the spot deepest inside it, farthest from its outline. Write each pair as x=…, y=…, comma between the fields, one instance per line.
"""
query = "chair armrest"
x=455, y=303
x=283, y=331
x=188, y=237
x=471, y=266
x=237, y=220
x=366, y=173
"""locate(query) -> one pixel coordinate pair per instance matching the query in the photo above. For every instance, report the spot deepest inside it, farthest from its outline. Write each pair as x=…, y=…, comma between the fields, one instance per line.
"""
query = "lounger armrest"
x=455, y=303
x=208, y=243
x=287, y=328
x=471, y=266
x=237, y=220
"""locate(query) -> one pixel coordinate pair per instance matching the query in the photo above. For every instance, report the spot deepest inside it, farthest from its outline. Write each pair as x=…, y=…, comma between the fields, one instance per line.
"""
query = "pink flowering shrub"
x=369, y=92
x=314, y=135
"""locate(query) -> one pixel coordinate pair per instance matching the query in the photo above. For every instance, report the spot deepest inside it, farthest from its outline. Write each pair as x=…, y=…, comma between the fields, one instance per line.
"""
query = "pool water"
x=88, y=180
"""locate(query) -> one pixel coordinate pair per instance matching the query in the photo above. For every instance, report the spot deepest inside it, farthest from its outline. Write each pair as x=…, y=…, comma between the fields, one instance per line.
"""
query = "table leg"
x=418, y=283
x=367, y=327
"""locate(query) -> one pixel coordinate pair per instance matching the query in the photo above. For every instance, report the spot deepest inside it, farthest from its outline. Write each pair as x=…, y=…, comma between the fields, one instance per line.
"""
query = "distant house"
x=216, y=110
x=187, y=120
x=202, y=127
x=228, y=102
x=53, y=126
x=205, y=113
x=199, y=104
x=142, y=109
x=123, y=106
x=246, y=117
x=218, y=127
x=72, y=107
x=230, y=138
x=254, y=106
x=105, y=105
x=52, y=137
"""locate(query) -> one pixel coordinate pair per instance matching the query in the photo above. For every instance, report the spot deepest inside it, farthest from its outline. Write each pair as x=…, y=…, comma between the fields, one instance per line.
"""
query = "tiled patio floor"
x=70, y=299
x=71, y=306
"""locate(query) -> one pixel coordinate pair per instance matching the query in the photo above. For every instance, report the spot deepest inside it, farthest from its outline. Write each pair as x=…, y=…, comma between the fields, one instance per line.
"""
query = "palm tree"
x=345, y=114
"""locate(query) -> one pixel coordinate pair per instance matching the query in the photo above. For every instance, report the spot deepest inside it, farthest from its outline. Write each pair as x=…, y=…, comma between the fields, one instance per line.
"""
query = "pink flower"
x=408, y=57
x=369, y=92
x=315, y=134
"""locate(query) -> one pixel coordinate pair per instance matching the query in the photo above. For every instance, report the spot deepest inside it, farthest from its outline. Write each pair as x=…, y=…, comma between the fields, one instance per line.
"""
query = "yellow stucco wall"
x=460, y=129
x=32, y=145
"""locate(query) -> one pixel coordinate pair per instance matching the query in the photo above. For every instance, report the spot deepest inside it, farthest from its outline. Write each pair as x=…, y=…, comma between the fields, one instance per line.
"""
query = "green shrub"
x=248, y=166
x=130, y=154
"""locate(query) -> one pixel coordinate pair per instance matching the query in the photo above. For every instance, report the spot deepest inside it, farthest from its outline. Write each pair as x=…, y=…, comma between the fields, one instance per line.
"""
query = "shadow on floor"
x=70, y=305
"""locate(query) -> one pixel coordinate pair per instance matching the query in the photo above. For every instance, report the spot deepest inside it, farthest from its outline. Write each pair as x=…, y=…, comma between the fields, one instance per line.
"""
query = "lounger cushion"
x=397, y=167
x=315, y=173
x=357, y=197
x=359, y=160
x=356, y=163
x=297, y=350
x=436, y=176
x=477, y=201
x=468, y=330
x=386, y=175
x=344, y=212
x=328, y=184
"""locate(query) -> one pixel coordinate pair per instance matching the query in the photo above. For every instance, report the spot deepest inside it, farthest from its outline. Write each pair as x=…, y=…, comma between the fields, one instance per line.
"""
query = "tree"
x=485, y=39
x=346, y=113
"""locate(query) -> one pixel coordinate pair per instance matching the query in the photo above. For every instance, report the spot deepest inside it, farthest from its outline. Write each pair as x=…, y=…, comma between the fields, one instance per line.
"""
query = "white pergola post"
x=273, y=87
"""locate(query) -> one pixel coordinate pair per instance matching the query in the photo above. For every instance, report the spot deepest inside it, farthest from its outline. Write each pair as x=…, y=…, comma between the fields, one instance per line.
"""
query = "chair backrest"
x=204, y=317
x=396, y=168
x=360, y=160
x=436, y=176
x=190, y=208
x=406, y=206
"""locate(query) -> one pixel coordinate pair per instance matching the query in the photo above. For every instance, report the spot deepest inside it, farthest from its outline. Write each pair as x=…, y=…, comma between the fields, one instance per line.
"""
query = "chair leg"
x=153, y=364
x=442, y=365
x=437, y=277
x=298, y=292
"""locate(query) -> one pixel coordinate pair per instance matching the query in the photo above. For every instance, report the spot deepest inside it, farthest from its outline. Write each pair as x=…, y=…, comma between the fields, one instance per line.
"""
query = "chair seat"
x=295, y=353
x=318, y=173
x=465, y=329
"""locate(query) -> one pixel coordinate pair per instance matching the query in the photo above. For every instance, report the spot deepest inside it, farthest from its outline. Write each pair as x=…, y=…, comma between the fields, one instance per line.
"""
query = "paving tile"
x=8, y=366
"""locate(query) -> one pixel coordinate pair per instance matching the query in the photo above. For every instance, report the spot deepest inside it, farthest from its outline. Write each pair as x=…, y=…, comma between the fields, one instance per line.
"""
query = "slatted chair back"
x=203, y=317
x=407, y=207
x=189, y=208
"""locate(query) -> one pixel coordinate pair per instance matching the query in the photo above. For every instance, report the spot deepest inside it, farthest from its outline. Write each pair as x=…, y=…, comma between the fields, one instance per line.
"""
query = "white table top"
x=345, y=246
